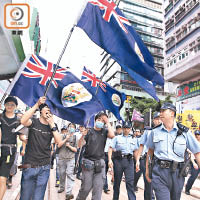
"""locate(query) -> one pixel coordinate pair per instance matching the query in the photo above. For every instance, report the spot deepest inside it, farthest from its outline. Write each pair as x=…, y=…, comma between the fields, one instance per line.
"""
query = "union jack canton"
x=38, y=67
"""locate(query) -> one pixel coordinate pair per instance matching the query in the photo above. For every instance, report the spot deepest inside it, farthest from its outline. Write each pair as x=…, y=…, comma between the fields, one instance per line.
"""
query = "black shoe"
x=136, y=189
x=60, y=190
x=51, y=166
x=107, y=191
x=69, y=196
x=187, y=192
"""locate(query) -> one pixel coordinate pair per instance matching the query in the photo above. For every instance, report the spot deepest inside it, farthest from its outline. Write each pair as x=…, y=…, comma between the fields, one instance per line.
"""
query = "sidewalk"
x=51, y=192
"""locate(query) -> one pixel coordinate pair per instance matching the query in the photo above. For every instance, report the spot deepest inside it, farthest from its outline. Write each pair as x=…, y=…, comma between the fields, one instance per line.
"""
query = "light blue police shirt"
x=125, y=144
x=162, y=142
x=108, y=144
x=144, y=140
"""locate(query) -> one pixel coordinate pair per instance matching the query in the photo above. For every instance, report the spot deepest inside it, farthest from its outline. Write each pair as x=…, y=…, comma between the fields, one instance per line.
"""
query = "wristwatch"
x=54, y=128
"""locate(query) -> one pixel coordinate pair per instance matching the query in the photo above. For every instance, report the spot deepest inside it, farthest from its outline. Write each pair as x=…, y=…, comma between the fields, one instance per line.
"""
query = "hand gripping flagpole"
x=59, y=59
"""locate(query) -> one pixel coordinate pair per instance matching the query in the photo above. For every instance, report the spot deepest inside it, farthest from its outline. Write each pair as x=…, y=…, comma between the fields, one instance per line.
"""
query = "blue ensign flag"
x=67, y=97
x=106, y=26
x=110, y=98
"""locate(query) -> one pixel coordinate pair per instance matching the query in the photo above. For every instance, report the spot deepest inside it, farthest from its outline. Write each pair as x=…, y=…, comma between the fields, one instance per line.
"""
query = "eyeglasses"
x=10, y=104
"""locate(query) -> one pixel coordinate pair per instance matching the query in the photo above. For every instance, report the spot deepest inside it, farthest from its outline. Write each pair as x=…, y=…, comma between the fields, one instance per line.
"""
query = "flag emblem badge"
x=74, y=94
x=116, y=100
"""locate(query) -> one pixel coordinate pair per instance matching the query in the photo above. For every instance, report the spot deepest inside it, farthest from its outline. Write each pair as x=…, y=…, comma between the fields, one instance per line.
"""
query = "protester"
x=36, y=168
x=8, y=140
x=79, y=155
x=124, y=146
x=93, y=165
x=142, y=155
x=168, y=143
x=195, y=171
x=66, y=161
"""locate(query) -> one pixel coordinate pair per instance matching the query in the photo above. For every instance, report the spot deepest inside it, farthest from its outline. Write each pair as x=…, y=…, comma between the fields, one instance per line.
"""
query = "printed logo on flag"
x=116, y=100
x=74, y=94
x=16, y=16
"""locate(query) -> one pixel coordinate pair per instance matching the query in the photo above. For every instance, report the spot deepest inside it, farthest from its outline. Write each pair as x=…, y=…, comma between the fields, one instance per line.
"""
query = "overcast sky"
x=56, y=20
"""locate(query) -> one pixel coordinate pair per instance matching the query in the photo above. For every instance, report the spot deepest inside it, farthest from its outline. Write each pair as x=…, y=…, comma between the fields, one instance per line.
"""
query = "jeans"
x=191, y=180
x=34, y=182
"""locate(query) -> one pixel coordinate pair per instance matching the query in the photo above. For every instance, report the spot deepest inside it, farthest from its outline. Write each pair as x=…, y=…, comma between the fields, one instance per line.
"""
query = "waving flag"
x=67, y=97
x=137, y=116
x=106, y=26
x=110, y=98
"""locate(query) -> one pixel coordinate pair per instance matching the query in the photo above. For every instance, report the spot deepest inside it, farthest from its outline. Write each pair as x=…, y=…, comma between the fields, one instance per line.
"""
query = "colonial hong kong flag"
x=110, y=98
x=67, y=97
x=106, y=26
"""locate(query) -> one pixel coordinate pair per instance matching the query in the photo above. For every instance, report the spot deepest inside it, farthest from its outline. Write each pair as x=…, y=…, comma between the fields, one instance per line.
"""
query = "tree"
x=143, y=105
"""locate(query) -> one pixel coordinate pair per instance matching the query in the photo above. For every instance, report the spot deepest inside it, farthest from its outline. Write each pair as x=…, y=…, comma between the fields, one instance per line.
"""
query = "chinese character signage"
x=188, y=90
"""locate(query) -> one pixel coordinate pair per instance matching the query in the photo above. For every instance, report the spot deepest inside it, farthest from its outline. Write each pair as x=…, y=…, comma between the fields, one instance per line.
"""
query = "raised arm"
x=26, y=118
x=111, y=133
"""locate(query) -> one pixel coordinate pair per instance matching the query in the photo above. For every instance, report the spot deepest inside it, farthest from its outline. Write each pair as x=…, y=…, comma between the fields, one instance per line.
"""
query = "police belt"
x=143, y=157
x=9, y=146
x=168, y=164
x=127, y=156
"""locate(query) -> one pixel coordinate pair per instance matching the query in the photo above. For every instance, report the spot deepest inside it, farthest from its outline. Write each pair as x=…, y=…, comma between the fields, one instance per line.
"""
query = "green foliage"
x=143, y=105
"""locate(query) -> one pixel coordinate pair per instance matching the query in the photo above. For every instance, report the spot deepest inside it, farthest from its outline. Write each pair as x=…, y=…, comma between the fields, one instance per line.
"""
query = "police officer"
x=168, y=143
x=124, y=145
x=142, y=154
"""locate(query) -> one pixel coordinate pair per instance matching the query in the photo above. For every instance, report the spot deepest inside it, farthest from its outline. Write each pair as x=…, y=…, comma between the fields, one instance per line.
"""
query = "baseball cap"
x=11, y=99
x=166, y=106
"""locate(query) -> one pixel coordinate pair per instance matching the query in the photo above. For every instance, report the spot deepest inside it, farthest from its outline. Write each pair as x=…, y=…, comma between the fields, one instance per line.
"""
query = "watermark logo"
x=16, y=16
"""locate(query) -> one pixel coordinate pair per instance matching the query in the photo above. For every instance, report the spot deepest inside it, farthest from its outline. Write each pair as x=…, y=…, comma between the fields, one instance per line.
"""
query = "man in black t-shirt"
x=93, y=167
x=36, y=166
x=8, y=140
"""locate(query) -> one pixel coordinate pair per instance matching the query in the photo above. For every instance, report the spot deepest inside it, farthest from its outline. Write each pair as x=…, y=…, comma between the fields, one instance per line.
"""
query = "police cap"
x=197, y=132
x=156, y=115
x=168, y=105
x=64, y=128
x=118, y=126
x=126, y=125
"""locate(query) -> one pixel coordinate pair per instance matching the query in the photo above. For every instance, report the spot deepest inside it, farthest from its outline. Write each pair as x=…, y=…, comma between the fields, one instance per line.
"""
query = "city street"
x=51, y=192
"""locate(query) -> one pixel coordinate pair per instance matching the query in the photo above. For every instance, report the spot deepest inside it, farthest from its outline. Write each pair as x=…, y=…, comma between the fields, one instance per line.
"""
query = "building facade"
x=182, y=51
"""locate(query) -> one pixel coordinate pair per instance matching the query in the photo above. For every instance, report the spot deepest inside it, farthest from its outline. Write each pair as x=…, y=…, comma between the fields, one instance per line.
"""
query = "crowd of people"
x=160, y=153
